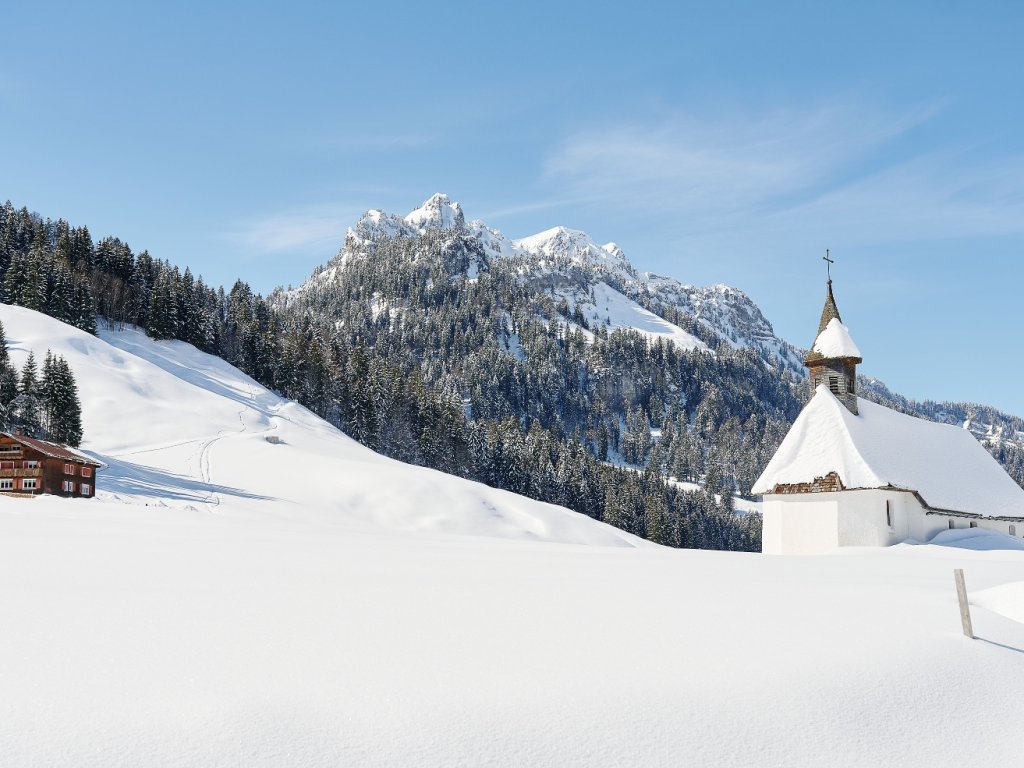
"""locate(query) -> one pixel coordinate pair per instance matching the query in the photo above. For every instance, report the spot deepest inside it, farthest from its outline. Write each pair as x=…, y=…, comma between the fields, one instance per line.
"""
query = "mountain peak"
x=578, y=247
x=438, y=212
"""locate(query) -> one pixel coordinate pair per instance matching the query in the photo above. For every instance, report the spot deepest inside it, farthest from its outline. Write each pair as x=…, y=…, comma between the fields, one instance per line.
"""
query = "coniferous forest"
x=482, y=378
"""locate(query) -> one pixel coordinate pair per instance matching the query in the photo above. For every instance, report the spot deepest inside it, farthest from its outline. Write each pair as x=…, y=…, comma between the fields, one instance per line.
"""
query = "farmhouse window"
x=69, y=469
x=86, y=471
x=31, y=464
x=69, y=487
x=974, y=524
x=28, y=484
x=7, y=484
x=6, y=465
x=86, y=489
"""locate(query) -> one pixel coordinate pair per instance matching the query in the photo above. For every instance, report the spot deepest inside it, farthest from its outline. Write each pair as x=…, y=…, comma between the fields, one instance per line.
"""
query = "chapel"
x=851, y=472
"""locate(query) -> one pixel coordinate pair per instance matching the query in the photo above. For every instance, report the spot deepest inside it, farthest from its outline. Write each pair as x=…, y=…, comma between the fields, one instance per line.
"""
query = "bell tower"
x=832, y=361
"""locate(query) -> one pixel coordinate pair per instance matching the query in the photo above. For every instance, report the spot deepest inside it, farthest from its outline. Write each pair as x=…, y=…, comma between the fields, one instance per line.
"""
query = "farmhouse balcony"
x=37, y=472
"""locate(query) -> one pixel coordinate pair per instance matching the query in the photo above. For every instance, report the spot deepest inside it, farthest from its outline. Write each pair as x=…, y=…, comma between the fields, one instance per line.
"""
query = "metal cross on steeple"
x=828, y=267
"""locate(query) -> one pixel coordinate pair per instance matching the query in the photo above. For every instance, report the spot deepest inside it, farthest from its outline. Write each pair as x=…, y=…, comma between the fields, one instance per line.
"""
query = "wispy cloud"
x=729, y=163
x=839, y=171
x=941, y=194
x=313, y=227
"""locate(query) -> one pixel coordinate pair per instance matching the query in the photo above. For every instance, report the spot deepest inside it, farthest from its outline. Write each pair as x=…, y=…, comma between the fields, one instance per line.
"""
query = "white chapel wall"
x=799, y=524
x=813, y=523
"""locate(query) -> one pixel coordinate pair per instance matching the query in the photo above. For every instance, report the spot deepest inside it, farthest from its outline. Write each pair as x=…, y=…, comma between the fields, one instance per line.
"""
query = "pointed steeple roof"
x=830, y=310
x=833, y=340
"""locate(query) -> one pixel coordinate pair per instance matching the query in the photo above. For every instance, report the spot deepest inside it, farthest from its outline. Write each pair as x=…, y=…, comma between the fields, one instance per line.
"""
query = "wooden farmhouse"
x=851, y=472
x=29, y=467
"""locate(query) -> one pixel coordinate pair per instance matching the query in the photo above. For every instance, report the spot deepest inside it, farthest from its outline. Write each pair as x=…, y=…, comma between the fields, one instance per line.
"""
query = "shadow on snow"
x=121, y=476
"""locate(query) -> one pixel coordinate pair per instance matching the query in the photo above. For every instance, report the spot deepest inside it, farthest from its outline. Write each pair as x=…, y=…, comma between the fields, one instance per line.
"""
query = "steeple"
x=830, y=310
x=833, y=358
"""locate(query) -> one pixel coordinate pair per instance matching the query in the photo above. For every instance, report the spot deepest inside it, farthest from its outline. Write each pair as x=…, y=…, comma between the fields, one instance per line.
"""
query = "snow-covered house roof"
x=53, y=450
x=881, y=448
x=835, y=341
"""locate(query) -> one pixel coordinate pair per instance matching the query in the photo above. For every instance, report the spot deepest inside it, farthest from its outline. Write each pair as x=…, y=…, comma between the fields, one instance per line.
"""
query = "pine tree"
x=25, y=409
x=163, y=308
x=84, y=308
x=8, y=382
x=60, y=299
x=61, y=404
x=29, y=383
x=33, y=293
x=16, y=278
x=48, y=411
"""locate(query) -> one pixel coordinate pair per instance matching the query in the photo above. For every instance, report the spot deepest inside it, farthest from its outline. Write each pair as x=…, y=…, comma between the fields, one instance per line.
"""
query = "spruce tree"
x=61, y=403
x=16, y=278
x=25, y=410
x=8, y=382
x=163, y=308
x=84, y=309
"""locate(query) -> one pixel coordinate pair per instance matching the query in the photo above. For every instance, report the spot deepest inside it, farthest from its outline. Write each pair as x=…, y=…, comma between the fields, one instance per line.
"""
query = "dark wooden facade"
x=29, y=467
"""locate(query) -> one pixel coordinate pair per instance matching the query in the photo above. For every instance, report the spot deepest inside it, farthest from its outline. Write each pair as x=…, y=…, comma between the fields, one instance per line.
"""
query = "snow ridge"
x=598, y=278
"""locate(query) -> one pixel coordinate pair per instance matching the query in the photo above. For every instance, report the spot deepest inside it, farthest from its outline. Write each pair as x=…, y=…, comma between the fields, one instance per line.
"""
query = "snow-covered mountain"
x=608, y=290
x=597, y=278
x=425, y=271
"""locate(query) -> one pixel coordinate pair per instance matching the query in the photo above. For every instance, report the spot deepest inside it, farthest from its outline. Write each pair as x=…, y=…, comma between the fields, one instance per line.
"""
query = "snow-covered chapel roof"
x=835, y=341
x=945, y=465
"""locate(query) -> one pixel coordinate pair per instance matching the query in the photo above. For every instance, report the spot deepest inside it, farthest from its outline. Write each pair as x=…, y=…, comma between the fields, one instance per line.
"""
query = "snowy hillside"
x=182, y=429
x=230, y=601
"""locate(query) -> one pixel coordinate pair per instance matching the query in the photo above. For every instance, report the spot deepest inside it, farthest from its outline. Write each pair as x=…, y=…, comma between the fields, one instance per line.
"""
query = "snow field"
x=616, y=311
x=208, y=610
x=172, y=640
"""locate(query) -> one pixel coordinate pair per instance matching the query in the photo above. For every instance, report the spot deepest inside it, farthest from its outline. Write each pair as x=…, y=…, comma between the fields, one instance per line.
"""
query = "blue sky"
x=715, y=142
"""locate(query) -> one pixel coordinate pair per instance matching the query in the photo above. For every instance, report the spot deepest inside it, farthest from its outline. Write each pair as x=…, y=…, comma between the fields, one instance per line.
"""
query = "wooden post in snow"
x=965, y=609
